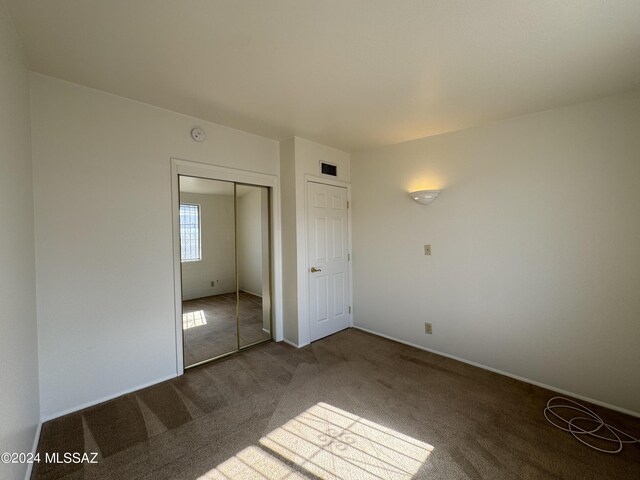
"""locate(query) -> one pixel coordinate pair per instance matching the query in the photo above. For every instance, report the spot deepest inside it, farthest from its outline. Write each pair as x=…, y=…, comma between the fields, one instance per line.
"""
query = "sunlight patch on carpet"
x=333, y=444
x=193, y=319
x=328, y=443
x=252, y=463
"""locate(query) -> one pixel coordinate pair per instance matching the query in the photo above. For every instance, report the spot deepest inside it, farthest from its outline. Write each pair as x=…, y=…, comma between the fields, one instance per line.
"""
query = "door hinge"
x=349, y=309
x=347, y=203
x=348, y=257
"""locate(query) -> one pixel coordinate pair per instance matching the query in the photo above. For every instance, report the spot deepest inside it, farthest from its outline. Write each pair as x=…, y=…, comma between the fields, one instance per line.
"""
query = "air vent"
x=329, y=169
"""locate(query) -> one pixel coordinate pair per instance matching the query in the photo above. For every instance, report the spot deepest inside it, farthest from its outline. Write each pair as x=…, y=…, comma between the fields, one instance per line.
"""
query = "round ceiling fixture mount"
x=198, y=134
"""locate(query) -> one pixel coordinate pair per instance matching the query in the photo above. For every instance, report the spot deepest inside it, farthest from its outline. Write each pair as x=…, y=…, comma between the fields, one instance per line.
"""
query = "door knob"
x=314, y=270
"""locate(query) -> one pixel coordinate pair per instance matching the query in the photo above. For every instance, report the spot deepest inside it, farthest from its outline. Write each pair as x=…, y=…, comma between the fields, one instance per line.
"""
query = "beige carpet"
x=351, y=406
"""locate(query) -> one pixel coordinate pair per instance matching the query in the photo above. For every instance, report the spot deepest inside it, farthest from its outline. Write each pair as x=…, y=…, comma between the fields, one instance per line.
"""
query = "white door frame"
x=303, y=280
x=215, y=172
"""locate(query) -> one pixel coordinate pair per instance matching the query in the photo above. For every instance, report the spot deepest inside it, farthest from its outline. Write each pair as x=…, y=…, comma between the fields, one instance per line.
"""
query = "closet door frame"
x=216, y=172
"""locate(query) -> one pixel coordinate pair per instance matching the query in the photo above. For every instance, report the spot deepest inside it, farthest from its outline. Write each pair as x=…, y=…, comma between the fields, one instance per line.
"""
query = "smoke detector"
x=198, y=134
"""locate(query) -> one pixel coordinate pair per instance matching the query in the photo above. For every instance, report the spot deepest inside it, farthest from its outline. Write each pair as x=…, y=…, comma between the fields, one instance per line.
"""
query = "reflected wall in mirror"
x=207, y=249
x=253, y=254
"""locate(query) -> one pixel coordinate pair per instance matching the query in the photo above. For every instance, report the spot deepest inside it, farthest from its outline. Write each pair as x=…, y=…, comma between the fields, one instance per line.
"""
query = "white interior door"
x=327, y=259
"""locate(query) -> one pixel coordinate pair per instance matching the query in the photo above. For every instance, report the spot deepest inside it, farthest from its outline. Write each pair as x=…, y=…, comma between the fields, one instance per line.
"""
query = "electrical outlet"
x=427, y=328
x=213, y=283
x=427, y=249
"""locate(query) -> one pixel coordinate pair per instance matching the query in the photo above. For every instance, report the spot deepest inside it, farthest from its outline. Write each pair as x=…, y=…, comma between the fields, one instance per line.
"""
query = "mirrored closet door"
x=225, y=267
x=252, y=243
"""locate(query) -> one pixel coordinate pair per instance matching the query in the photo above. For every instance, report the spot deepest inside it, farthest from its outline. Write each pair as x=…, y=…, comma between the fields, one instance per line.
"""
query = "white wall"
x=253, y=247
x=217, y=233
x=289, y=262
x=19, y=412
x=299, y=158
x=249, y=228
x=308, y=157
x=535, y=268
x=102, y=184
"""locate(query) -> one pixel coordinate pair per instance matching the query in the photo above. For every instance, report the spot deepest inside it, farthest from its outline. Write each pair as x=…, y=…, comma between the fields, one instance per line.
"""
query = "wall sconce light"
x=425, y=197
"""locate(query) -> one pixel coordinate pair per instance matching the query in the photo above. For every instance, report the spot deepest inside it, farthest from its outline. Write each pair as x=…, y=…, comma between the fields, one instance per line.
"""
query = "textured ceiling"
x=353, y=74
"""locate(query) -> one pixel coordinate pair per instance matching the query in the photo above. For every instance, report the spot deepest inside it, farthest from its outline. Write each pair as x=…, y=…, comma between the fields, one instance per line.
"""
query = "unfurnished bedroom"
x=325, y=240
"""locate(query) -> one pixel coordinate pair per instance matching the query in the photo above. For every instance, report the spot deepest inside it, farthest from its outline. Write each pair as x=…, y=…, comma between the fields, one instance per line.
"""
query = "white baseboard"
x=34, y=449
x=289, y=342
x=293, y=344
x=506, y=374
x=198, y=296
x=251, y=293
x=51, y=416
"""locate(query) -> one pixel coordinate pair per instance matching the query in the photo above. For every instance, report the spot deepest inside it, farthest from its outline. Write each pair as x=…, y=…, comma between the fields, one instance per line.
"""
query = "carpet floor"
x=210, y=328
x=350, y=406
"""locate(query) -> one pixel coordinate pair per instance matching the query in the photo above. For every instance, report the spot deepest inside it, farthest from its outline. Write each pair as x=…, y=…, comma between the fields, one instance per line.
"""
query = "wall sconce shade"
x=424, y=197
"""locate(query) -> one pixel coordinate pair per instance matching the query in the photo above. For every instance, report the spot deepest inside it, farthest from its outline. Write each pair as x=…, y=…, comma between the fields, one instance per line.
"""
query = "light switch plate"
x=427, y=249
